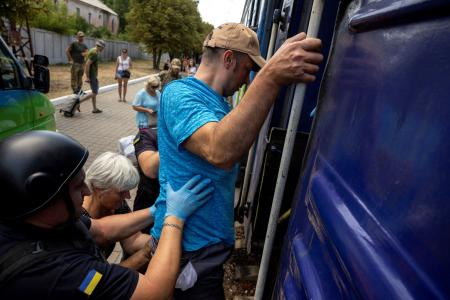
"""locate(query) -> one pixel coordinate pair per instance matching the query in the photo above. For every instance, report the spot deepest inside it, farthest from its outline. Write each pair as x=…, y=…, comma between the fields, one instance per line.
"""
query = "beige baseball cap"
x=175, y=63
x=100, y=43
x=238, y=37
x=80, y=33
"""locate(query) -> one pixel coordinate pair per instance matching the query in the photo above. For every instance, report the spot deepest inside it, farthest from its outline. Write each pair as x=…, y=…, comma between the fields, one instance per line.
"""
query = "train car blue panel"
x=371, y=215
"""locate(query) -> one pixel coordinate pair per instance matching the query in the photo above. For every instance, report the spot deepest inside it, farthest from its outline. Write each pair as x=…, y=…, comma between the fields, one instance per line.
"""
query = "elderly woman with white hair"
x=146, y=103
x=110, y=178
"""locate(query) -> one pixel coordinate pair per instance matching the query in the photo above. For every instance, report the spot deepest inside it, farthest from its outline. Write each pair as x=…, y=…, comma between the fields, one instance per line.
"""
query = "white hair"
x=112, y=170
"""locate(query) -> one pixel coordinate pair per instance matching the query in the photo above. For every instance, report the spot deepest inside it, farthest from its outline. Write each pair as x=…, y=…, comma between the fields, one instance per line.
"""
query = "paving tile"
x=101, y=132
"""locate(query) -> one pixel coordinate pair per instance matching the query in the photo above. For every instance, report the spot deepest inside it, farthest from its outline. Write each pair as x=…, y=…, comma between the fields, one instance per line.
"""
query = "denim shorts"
x=123, y=74
x=93, y=81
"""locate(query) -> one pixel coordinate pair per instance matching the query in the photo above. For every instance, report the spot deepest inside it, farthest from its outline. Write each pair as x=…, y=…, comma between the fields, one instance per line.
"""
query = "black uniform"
x=75, y=273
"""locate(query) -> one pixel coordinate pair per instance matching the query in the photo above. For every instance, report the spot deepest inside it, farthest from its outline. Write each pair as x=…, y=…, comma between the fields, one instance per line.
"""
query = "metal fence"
x=54, y=45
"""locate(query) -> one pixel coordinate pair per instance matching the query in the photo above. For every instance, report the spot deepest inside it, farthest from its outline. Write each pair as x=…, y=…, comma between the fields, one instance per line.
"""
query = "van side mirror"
x=41, y=74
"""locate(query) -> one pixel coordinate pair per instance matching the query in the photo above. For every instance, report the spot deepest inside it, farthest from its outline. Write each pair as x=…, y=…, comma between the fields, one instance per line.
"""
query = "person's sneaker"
x=96, y=111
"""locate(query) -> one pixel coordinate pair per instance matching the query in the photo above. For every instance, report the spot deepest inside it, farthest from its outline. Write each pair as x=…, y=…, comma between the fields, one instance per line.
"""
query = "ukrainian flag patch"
x=90, y=282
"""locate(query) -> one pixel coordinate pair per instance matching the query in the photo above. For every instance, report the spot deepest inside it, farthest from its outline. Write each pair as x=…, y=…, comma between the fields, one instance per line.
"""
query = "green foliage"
x=123, y=36
x=121, y=7
x=18, y=11
x=82, y=25
x=54, y=17
x=100, y=32
x=173, y=26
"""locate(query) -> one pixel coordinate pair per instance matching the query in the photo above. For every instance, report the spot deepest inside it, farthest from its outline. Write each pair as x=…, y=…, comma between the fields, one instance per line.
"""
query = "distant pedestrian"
x=75, y=55
x=123, y=66
x=172, y=74
x=146, y=103
x=166, y=65
x=91, y=72
x=192, y=69
x=185, y=65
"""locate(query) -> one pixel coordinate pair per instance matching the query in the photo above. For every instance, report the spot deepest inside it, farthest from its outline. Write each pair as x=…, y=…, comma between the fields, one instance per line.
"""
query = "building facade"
x=95, y=13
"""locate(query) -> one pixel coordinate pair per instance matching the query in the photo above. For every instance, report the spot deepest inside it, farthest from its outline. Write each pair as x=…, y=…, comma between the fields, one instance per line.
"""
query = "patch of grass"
x=60, y=76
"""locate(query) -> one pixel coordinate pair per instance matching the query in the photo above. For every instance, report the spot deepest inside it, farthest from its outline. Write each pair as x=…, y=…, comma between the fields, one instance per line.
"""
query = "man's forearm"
x=236, y=132
x=118, y=227
x=224, y=143
x=162, y=269
x=86, y=69
x=69, y=57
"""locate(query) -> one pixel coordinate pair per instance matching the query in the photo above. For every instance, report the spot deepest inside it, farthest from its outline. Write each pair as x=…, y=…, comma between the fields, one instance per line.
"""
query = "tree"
x=18, y=11
x=55, y=17
x=121, y=7
x=173, y=26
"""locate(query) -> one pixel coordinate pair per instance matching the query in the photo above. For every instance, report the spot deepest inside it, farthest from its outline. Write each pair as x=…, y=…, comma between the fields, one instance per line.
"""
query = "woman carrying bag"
x=123, y=66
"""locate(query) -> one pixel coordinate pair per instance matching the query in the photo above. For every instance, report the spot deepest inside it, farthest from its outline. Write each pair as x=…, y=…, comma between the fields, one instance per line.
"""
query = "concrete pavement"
x=101, y=132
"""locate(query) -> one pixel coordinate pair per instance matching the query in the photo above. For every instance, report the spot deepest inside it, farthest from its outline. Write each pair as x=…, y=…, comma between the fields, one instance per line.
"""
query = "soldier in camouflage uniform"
x=172, y=74
x=75, y=54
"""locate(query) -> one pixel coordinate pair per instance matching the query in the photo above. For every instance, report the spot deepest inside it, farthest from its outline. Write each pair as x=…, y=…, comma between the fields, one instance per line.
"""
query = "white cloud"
x=217, y=12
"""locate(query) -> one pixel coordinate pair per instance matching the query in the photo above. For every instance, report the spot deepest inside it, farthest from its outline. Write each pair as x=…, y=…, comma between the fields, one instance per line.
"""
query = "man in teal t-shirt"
x=91, y=73
x=198, y=133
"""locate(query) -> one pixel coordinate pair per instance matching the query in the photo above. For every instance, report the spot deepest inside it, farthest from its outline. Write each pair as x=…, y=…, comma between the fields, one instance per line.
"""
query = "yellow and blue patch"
x=90, y=282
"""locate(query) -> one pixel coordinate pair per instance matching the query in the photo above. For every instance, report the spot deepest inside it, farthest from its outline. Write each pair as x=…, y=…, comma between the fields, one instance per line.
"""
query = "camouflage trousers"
x=76, y=76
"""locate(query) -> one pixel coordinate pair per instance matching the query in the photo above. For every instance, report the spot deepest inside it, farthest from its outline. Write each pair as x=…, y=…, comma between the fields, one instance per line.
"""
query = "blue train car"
x=369, y=183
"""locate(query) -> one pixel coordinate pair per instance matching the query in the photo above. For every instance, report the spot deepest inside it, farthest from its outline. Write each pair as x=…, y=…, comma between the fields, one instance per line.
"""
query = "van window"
x=8, y=70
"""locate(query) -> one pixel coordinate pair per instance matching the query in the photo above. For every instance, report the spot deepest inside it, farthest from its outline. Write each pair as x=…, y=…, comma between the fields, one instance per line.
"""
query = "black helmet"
x=34, y=168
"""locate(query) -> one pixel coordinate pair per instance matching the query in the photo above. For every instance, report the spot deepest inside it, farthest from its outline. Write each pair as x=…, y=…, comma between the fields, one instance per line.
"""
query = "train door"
x=370, y=215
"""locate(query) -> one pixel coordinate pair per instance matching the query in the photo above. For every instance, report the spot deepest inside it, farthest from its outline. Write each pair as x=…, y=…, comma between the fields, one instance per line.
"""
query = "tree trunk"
x=159, y=58
x=155, y=66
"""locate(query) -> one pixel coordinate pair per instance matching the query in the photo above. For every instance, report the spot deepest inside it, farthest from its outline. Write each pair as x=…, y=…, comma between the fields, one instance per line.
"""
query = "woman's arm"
x=117, y=67
x=143, y=109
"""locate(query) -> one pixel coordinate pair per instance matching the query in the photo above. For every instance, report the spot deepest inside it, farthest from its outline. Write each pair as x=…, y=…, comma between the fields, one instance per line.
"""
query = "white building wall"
x=97, y=15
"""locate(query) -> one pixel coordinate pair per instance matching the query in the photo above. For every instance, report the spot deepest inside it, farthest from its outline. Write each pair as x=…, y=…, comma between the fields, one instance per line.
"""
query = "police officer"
x=48, y=252
x=172, y=74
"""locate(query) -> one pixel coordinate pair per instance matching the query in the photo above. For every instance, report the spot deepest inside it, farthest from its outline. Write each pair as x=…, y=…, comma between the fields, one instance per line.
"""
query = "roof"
x=99, y=4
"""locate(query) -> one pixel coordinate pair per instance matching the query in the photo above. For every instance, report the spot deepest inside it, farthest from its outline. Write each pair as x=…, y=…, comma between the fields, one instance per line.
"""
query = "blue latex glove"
x=188, y=198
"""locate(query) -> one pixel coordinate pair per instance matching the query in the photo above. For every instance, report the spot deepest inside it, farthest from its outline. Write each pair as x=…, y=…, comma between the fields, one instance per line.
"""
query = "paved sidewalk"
x=101, y=132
